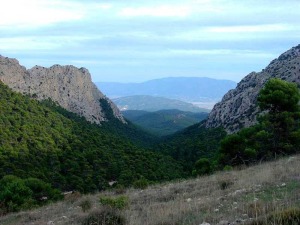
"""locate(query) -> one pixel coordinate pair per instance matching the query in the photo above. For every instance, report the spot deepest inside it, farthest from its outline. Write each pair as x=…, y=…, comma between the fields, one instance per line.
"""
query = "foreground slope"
x=42, y=140
x=263, y=194
x=238, y=107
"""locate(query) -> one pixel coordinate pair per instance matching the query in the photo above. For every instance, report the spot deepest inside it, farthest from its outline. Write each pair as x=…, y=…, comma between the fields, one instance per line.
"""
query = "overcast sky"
x=138, y=40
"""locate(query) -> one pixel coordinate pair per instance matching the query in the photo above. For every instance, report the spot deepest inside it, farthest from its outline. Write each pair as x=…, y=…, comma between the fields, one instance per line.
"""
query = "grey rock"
x=204, y=223
x=70, y=87
x=238, y=108
x=223, y=222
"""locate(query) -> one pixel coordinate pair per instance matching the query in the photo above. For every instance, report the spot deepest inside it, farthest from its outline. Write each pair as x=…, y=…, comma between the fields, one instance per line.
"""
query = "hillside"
x=43, y=140
x=192, y=143
x=189, y=89
x=163, y=122
x=70, y=87
x=151, y=104
x=263, y=194
x=238, y=107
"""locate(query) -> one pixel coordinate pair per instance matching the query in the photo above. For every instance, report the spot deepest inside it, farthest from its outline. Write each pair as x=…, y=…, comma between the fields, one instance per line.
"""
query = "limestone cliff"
x=70, y=87
x=238, y=107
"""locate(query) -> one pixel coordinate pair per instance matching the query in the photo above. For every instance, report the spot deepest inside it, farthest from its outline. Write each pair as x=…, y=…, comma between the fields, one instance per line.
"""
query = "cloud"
x=251, y=28
x=38, y=13
x=157, y=11
x=115, y=39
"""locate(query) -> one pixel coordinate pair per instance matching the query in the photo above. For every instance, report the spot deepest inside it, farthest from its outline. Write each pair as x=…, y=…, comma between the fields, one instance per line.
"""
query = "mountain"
x=238, y=107
x=164, y=122
x=190, y=89
x=69, y=86
x=151, y=104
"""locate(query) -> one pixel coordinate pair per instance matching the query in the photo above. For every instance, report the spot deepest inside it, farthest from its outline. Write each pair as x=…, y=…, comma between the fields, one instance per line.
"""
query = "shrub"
x=141, y=183
x=225, y=184
x=42, y=192
x=105, y=216
x=202, y=167
x=72, y=196
x=17, y=194
x=120, y=202
x=86, y=205
x=227, y=168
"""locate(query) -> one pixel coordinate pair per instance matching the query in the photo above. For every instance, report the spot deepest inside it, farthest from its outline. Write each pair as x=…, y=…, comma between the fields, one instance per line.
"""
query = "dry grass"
x=236, y=197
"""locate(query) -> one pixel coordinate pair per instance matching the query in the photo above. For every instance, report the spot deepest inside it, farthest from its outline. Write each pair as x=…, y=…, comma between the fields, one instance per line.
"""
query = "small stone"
x=223, y=222
x=204, y=223
x=216, y=210
x=50, y=223
x=283, y=184
x=189, y=200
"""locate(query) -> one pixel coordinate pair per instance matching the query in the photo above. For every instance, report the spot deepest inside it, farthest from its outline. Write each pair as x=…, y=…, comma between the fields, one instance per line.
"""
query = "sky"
x=139, y=40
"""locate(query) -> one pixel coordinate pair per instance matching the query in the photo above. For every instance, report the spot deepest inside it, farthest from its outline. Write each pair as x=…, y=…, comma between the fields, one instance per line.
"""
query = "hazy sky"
x=138, y=40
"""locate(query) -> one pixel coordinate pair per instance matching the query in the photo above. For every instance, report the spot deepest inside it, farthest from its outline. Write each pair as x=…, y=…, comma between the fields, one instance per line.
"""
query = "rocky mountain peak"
x=238, y=108
x=69, y=86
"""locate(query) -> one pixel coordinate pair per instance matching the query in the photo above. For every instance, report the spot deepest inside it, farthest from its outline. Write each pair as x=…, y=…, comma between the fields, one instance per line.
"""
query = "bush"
x=105, y=216
x=18, y=194
x=227, y=168
x=42, y=192
x=14, y=194
x=202, y=167
x=86, y=205
x=141, y=183
x=120, y=202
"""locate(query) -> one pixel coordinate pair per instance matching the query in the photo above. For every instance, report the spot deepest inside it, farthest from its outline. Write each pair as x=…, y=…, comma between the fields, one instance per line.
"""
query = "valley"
x=59, y=133
x=164, y=122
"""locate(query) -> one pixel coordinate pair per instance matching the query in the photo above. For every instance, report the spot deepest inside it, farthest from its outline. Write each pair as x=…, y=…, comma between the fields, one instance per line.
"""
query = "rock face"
x=70, y=87
x=238, y=108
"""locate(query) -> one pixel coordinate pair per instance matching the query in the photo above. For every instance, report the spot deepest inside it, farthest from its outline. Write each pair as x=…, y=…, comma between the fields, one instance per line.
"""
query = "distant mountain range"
x=164, y=122
x=190, y=89
x=151, y=104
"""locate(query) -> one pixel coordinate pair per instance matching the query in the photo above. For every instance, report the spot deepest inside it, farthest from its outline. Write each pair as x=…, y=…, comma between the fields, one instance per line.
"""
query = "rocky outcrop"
x=70, y=87
x=238, y=108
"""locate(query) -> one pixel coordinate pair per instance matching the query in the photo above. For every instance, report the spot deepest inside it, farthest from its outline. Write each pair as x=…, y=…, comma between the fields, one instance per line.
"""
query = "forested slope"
x=38, y=140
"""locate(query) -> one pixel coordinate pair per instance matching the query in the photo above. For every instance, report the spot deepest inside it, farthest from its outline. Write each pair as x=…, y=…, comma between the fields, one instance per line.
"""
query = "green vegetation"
x=164, y=122
x=191, y=144
x=276, y=134
x=44, y=141
x=19, y=194
x=44, y=148
x=202, y=167
x=120, y=202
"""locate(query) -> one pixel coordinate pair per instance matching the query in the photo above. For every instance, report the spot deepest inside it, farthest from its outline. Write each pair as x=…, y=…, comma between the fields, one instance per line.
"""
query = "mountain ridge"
x=69, y=86
x=182, y=88
x=238, y=108
x=152, y=103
